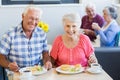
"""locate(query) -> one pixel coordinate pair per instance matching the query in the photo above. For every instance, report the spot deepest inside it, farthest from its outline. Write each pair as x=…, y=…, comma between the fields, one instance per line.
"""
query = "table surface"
x=53, y=75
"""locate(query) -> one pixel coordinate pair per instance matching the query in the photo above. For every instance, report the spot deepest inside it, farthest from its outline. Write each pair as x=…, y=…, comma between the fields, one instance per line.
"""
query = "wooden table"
x=53, y=75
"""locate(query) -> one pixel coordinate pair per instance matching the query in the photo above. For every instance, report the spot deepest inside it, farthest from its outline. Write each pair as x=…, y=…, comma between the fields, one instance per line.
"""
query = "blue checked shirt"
x=17, y=47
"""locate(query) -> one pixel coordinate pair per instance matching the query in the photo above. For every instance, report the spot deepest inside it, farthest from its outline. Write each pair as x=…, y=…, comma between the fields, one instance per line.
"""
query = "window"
x=18, y=2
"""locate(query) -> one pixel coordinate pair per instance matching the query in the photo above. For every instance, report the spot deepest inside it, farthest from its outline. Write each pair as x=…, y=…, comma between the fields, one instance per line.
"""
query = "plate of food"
x=70, y=69
x=36, y=70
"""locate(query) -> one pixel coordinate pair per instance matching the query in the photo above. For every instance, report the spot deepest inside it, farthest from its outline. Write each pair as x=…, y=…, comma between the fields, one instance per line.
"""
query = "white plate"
x=69, y=72
x=33, y=73
x=92, y=70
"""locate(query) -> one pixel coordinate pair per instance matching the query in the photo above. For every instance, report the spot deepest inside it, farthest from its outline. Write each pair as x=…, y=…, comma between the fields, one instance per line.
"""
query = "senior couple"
x=106, y=27
x=24, y=45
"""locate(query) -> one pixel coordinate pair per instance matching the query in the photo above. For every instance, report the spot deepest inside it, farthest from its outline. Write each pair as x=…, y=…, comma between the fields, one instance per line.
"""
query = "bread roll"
x=65, y=67
x=77, y=67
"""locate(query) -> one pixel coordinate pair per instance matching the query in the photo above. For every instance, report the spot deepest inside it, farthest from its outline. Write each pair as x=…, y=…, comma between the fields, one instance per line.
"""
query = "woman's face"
x=71, y=29
x=106, y=15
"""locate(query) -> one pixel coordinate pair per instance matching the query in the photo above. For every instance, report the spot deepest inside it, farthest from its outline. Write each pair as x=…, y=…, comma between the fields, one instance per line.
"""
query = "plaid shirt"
x=17, y=47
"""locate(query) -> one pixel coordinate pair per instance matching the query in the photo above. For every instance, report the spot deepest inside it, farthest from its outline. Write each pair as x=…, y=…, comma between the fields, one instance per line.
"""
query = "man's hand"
x=47, y=61
x=48, y=65
x=88, y=31
x=13, y=66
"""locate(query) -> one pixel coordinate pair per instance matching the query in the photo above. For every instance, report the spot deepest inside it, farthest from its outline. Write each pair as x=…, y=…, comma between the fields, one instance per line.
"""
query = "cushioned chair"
x=117, y=43
x=109, y=58
x=3, y=75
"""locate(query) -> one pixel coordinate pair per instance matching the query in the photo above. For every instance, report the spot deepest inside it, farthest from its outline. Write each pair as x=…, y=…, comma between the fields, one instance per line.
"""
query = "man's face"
x=90, y=12
x=30, y=20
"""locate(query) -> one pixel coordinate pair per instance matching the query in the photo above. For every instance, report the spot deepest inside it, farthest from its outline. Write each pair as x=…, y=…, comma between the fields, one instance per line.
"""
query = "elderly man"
x=90, y=18
x=23, y=45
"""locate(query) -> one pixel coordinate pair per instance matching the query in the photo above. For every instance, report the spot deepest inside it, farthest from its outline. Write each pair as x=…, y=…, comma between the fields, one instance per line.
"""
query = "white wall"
x=118, y=18
x=52, y=14
x=100, y=4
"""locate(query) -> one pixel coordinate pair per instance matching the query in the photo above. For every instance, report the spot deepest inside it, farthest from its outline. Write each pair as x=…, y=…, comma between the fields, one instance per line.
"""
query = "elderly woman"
x=88, y=19
x=72, y=47
x=109, y=31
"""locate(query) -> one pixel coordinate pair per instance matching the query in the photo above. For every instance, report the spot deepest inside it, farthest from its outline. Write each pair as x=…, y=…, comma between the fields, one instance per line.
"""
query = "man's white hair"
x=31, y=7
x=91, y=5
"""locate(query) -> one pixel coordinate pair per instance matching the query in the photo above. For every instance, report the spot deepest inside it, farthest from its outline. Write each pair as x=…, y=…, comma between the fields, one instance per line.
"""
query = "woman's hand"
x=92, y=59
x=95, y=26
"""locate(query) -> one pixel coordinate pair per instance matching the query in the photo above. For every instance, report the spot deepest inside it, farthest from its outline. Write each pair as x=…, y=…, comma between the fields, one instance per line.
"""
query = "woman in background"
x=72, y=47
x=109, y=31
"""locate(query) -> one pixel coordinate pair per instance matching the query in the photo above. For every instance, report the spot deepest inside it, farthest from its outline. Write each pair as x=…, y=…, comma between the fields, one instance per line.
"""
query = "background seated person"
x=109, y=31
x=23, y=45
x=72, y=47
x=88, y=19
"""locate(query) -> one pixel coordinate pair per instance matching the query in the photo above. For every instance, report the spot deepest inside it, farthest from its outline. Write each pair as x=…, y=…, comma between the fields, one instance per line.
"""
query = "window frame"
x=10, y=2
